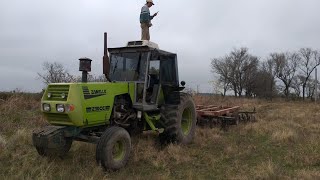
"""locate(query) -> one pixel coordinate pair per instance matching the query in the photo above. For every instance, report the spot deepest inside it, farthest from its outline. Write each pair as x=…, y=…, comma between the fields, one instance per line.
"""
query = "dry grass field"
x=284, y=143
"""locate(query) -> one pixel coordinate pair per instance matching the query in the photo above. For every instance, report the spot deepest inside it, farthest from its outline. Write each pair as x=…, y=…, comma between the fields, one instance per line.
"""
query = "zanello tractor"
x=142, y=93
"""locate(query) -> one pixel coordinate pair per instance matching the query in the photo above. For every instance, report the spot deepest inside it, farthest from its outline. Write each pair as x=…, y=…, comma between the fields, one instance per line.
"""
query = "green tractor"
x=142, y=93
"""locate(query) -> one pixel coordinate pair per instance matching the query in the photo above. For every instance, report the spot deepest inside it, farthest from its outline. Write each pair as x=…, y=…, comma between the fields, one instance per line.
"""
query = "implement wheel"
x=113, y=149
x=179, y=120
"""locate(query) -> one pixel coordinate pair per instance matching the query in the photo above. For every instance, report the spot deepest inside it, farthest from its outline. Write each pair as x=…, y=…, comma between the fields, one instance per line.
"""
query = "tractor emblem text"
x=97, y=109
x=93, y=93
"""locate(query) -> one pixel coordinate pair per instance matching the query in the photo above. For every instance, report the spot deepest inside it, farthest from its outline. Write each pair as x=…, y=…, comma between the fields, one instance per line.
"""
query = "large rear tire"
x=113, y=148
x=179, y=120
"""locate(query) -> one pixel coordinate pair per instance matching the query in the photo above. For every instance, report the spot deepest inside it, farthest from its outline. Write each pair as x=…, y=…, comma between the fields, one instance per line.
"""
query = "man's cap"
x=151, y=1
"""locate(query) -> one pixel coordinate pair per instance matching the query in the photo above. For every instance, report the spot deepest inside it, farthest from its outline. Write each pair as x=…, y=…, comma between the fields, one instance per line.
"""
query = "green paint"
x=151, y=120
x=186, y=121
x=93, y=102
x=118, y=151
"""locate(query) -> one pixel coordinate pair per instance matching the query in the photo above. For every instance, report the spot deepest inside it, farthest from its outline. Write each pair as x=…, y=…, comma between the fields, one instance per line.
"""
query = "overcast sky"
x=35, y=31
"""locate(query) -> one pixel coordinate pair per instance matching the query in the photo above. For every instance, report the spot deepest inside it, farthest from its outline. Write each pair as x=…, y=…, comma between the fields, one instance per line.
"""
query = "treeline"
x=287, y=74
x=56, y=73
x=4, y=96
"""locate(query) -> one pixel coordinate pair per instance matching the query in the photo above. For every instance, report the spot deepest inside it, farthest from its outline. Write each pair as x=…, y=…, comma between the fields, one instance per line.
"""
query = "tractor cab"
x=153, y=71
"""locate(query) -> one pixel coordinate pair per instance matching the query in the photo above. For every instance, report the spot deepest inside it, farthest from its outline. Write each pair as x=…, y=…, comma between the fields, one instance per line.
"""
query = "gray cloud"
x=35, y=31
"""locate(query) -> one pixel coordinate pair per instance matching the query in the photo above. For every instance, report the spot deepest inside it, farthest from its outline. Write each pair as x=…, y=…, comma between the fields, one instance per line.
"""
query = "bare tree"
x=243, y=68
x=310, y=88
x=296, y=85
x=265, y=80
x=92, y=78
x=236, y=71
x=310, y=59
x=218, y=87
x=285, y=68
x=250, y=74
x=55, y=73
x=220, y=66
x=268, y=68
x=237, y=64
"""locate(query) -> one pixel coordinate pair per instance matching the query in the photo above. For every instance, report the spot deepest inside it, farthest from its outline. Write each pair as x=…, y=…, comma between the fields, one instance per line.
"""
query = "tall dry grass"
x=283, y=143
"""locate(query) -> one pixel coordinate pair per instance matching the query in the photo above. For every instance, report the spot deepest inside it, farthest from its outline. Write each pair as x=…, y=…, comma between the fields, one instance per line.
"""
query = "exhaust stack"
x=106, y=62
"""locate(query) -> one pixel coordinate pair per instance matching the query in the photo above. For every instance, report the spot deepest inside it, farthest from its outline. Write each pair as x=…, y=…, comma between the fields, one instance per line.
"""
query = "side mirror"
x=183, y=83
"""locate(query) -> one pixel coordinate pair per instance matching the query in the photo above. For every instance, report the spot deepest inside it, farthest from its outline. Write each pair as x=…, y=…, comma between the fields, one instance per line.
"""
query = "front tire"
x=59, y=151
x=113, y=148
x=179, y=120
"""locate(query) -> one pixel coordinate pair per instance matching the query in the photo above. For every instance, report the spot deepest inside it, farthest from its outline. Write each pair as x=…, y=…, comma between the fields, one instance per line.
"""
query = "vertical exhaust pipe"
x=106, y=61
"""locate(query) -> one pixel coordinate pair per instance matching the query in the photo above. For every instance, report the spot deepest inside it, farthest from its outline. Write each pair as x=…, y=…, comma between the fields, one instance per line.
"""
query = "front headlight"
x=46, y=107
x=60, y=108
x=49, y=95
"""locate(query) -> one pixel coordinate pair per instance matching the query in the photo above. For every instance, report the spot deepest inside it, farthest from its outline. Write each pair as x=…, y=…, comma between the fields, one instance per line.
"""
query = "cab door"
x=153, y=85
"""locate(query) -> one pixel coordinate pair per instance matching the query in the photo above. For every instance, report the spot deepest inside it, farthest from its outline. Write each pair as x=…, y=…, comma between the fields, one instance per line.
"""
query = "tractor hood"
x=82, y=104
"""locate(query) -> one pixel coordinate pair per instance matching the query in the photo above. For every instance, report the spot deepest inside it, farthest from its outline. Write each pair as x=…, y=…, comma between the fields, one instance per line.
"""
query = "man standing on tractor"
x=145, y=20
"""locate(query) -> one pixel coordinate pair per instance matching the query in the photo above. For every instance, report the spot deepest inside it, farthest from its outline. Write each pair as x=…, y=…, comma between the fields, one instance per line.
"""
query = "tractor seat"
x=153, y=81
x=153, y=98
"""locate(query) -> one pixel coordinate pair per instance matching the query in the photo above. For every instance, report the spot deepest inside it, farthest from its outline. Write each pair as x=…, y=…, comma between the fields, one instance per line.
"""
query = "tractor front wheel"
x=60, y=150
x=113, y=148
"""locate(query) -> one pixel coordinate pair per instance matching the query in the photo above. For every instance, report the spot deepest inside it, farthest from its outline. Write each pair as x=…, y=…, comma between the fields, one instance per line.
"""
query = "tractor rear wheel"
x=179, y=120
x=113, y=148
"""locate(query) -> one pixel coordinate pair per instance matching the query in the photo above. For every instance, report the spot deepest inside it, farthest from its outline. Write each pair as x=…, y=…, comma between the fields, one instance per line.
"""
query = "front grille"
x=58, y=118
x=56, y=92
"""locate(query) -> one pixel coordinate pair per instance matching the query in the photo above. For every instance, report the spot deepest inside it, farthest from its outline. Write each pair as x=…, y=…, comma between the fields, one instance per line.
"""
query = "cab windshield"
x=128, y=66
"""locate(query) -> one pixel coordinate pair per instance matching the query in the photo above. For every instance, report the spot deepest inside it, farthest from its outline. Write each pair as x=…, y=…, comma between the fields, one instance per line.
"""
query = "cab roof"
x=141, y=49
x=141, y=46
